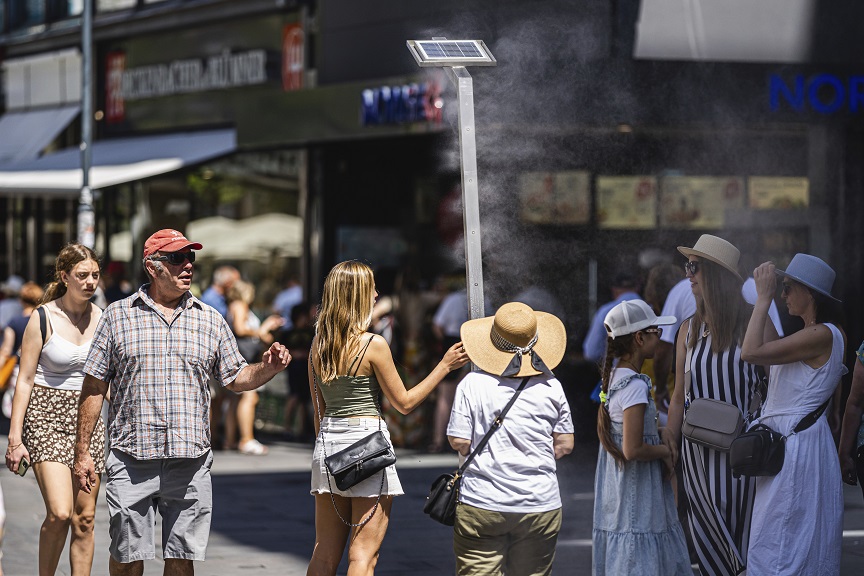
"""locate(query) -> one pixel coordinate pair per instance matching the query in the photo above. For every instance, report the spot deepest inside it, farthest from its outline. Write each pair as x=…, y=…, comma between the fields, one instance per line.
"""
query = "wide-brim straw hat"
x=812, y=272
x=494, y=341
x=716, y=250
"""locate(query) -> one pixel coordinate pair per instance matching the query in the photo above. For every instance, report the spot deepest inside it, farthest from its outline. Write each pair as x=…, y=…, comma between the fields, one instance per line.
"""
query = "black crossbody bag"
x=761, y=451
x=360, y=460
x=444, y=495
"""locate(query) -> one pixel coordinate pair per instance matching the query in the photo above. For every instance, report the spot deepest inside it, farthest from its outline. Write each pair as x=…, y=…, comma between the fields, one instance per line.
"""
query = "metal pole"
x=470, y=194
x=86, y=215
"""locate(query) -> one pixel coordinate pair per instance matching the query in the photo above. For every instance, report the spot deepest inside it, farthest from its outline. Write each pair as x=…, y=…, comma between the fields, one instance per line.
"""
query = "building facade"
x=289, y=135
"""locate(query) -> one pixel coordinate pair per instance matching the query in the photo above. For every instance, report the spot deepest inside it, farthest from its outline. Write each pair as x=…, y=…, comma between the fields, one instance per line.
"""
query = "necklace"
x=69, y=315
x=633, y=366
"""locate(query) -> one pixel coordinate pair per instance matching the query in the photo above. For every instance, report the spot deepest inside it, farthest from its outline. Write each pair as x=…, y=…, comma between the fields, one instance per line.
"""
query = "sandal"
x=253, y=448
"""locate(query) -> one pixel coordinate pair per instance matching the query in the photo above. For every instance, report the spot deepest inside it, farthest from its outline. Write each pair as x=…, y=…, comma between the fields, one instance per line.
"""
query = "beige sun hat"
x=498, y=344
x=716, y=250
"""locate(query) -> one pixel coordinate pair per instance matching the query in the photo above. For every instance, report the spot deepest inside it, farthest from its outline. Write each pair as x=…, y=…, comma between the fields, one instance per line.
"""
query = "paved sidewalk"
x=263, y=519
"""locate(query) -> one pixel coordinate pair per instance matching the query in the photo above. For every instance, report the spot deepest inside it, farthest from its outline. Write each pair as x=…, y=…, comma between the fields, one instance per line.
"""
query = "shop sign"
x=823, y=93
x=293, y=59
x=387, y=105
x=225, y=70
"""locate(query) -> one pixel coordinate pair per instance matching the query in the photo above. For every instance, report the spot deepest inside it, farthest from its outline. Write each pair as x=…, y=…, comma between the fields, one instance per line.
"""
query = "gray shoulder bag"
x=708, y=422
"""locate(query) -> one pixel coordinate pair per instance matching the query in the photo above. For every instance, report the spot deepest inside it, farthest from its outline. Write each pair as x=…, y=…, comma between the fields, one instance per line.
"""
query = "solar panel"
x=451, y=53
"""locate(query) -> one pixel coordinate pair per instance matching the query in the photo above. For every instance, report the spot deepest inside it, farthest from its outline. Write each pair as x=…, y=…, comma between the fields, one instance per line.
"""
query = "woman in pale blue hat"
x=797, y=523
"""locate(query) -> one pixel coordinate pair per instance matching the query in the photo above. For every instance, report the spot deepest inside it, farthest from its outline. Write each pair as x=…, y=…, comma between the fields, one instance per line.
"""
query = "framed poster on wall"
x=778, y=193
x=626, y=202
x=555, y=197
x=699, y=202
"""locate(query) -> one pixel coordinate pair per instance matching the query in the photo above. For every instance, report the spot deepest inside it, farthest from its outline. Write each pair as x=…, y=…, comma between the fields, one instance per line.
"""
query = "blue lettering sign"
x=388, y=105
x=822, y=93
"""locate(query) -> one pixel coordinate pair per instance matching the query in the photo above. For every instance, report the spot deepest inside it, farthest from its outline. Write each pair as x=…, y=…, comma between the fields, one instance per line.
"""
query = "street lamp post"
x=455, y=55
x=86, y=214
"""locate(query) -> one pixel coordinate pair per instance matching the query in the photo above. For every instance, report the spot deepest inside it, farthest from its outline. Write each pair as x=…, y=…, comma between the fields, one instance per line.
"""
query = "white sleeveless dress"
x=798, y=515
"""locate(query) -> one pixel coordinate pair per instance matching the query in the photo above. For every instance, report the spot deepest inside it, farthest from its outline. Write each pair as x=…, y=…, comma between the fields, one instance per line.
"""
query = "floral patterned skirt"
x=50, y=425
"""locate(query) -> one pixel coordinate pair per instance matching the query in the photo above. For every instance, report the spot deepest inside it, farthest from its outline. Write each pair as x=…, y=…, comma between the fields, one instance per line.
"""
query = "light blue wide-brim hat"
x=812, y=272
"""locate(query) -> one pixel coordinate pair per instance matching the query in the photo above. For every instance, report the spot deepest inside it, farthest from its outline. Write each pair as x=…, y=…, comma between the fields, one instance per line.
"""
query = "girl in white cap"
x=636, y=527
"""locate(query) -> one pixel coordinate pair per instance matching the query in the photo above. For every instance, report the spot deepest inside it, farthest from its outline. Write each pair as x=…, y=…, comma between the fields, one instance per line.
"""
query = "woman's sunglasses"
x=692, y=267
x=175, y=258
x=655, y=330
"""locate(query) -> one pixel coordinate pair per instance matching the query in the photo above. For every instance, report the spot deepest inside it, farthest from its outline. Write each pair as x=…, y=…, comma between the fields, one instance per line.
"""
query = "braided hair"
x=615, y=348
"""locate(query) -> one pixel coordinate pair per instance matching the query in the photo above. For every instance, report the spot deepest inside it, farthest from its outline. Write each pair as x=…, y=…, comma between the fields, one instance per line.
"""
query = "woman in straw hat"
x=350, y=366
x=798, y=514
x=709, y=365
x=509, y=514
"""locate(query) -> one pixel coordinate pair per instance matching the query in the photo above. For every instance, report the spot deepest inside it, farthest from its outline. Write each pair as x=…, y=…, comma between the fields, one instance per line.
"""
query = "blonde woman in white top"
x=45, y=407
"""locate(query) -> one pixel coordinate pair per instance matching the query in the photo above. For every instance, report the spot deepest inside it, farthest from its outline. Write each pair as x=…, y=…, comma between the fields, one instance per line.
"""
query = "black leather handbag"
x=757, y=452
x=360, y=460
x=444, y=494
x=442, y=499
x=761, y=451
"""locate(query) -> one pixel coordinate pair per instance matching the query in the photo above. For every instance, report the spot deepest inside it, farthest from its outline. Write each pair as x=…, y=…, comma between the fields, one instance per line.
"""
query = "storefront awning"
x=23, y=135
x=114, y=162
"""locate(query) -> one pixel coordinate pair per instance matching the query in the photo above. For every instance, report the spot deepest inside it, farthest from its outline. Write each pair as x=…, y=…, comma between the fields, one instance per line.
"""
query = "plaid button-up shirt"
x=159, y=370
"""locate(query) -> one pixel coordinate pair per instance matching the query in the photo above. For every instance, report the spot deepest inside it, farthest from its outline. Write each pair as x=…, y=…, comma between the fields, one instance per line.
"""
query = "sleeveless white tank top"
x=61, y=362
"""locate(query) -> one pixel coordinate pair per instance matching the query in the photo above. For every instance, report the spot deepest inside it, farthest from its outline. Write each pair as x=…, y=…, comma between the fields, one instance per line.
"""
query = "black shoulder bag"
x=442, y=499
x=761, y=451
x=360, y=460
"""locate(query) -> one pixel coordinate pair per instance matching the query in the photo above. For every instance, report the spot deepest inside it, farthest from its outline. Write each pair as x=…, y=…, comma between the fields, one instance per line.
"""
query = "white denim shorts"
x=339, y=433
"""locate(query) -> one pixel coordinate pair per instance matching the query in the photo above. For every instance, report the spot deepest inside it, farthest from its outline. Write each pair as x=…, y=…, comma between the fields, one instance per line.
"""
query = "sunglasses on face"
x=787, y=288
x=654, y=330
x=175, y=258
x=692, y=267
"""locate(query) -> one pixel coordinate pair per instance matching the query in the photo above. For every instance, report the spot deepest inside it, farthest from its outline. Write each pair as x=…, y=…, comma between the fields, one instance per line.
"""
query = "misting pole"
x=86, y=214
x=454, y=55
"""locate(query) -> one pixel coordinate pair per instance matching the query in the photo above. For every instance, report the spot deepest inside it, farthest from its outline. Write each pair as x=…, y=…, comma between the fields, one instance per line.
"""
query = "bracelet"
x=10, y=448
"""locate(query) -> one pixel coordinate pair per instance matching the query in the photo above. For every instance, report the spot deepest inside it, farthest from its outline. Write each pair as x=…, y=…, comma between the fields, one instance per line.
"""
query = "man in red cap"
x=157, y=351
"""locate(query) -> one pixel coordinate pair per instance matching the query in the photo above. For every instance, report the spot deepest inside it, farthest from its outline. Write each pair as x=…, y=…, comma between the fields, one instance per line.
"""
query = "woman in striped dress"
x=709, y=365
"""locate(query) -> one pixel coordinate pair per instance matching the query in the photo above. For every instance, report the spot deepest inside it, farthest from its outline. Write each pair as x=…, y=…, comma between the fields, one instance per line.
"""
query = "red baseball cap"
x=168, y=240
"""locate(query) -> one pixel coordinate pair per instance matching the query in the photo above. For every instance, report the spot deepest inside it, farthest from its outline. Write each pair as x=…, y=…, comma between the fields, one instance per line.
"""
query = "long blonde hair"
x=344, y=315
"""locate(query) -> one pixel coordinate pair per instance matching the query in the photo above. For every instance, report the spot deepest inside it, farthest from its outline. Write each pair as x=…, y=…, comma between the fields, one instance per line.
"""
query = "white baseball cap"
x=631, y=316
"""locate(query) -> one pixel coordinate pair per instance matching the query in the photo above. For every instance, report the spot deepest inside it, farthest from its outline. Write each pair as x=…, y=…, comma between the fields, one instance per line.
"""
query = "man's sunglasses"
x=692, y=267
x=175, y=258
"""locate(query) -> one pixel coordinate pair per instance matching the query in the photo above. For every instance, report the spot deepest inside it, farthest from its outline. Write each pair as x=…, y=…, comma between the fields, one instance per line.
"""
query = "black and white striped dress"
x=720, y=506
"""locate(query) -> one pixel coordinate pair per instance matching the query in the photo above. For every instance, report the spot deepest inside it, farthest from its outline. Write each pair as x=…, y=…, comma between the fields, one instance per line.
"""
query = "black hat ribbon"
x=515, y=364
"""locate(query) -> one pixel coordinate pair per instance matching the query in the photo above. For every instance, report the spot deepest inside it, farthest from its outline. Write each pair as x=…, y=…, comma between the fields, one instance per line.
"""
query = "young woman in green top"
x=350, y=366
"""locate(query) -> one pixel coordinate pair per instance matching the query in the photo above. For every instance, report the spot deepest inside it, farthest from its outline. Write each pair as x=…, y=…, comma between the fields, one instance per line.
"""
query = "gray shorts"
x=179, y=487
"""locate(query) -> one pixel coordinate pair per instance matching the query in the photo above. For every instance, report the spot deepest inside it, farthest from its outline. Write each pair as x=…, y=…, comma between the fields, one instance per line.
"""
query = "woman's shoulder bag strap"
x=43, y=328
x=495, y=425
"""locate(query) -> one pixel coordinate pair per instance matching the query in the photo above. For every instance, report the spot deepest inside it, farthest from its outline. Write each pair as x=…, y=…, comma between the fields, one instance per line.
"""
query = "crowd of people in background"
x=670, y=335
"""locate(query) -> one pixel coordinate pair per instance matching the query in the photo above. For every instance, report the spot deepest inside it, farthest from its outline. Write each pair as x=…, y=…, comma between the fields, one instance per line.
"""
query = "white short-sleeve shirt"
x=636, y=392
x=516, y=471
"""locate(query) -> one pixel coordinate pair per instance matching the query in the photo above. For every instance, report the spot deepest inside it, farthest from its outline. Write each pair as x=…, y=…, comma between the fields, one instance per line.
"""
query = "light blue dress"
x=636, y=527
